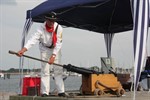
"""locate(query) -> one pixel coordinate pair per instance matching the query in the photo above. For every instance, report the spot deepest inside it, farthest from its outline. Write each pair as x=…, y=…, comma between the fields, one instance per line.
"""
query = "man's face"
x=50, y=23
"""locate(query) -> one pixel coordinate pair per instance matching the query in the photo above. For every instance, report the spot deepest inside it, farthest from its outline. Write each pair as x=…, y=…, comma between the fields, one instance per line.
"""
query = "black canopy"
x=102, y=16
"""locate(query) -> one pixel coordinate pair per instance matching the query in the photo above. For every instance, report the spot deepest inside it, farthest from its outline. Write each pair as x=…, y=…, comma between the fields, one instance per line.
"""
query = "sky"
x=80, y=47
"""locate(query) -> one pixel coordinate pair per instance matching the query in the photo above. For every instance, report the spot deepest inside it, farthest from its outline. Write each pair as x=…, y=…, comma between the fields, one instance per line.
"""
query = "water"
x=12, y=84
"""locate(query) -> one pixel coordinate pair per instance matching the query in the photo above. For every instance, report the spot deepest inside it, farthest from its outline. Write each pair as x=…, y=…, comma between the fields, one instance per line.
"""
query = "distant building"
x=107, y=64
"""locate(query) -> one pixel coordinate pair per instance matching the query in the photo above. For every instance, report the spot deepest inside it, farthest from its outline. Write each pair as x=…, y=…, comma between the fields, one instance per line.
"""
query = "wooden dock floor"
x=140, y=95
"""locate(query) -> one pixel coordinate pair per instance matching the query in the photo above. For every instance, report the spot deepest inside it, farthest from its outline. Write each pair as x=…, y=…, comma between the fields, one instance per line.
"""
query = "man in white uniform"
x=49, y=36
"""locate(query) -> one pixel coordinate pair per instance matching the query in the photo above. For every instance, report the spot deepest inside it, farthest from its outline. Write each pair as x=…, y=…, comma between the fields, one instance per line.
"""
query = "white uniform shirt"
x=45, y=39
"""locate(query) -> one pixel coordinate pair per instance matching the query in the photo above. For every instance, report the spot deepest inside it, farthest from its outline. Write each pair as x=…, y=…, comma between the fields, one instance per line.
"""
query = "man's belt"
x=50, y=47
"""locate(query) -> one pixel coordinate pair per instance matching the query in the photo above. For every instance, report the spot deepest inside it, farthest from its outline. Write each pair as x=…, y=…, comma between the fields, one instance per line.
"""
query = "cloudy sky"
x=80, y=47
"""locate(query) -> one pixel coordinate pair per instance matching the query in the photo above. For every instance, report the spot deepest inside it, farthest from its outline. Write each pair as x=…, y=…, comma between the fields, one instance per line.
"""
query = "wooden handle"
x=13, y=52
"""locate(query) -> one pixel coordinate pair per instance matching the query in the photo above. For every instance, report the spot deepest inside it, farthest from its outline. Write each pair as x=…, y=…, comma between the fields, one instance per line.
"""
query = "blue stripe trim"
x=138, y=71
x=136, y=26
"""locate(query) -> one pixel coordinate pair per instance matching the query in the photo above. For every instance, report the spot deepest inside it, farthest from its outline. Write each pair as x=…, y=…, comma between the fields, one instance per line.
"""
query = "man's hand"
x=21, y=52
x=52, y=59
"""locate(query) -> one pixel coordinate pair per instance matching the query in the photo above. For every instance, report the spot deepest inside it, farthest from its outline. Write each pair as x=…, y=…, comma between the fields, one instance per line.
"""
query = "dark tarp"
x=102, y=16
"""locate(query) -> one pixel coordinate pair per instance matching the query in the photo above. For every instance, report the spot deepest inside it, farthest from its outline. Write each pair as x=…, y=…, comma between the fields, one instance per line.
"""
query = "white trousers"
x=45, y=73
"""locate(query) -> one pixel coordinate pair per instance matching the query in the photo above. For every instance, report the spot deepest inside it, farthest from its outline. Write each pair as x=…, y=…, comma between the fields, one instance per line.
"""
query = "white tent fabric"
x=140, y=35
x=27, y=27
x=140, y=29
x=108, y=40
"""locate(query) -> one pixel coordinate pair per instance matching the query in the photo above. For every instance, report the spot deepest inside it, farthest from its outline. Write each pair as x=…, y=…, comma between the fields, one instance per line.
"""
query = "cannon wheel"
x=98, y=92
x=120, y=92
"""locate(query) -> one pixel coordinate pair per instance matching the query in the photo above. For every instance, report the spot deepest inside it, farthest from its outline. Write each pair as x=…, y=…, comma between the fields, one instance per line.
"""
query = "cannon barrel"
x=80, y=70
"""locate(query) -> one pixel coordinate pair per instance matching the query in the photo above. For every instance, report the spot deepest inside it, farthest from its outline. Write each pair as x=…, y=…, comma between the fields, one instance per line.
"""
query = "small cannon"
x=97, y=83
